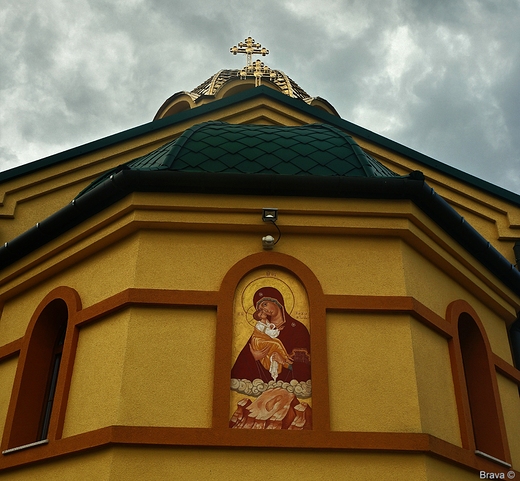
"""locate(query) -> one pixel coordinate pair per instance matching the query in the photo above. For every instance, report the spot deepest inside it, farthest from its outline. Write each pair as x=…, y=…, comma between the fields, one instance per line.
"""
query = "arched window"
x=39, y=363
x=481, y=389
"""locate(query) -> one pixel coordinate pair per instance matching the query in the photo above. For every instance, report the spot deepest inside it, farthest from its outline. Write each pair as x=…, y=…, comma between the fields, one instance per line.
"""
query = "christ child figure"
x=264, y=340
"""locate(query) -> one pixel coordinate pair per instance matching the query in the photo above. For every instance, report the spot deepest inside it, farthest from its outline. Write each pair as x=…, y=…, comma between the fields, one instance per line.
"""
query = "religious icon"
x=271, y=375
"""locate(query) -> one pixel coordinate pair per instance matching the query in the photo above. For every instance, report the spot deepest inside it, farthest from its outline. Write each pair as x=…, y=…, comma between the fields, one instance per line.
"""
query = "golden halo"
x=256, y=284
x=249, y=316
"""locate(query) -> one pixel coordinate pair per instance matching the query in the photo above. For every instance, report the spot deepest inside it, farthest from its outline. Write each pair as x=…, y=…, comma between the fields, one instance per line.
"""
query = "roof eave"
x=122, y=183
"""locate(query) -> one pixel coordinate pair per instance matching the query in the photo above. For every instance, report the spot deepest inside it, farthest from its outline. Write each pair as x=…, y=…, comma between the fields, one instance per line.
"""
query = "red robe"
x=296, y=340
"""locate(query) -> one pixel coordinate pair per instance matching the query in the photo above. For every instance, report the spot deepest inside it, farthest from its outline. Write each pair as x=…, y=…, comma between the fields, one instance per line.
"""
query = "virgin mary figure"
x=279, y=348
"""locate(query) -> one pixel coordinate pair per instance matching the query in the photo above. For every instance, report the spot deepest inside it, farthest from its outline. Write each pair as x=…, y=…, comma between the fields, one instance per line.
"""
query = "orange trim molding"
x=320, y=437
x=412, y=443
x=11, y=349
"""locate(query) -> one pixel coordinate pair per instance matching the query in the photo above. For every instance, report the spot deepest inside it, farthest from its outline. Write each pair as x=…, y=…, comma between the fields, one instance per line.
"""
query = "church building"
x=250, y=286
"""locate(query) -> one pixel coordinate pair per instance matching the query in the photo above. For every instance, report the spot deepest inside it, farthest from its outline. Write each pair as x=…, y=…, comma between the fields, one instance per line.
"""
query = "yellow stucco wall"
x=435, y=390
x=436, y=470
x=139, y=366
x=371, y=387
x=178, y=464
x=95, y=391
x=511, y=408
x=189, y=260
x=144, y=367
x=100, y=275
x=497, y=219
x=200, y=260
x=436, y=289
x=169, y=368
x=358, y=265
x=405, y=388
x=345, y=258
x=95, y=466
x=348, y=244
x=277, y=465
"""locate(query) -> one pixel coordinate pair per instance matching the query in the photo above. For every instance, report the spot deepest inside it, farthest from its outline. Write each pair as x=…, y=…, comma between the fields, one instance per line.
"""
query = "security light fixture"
x=269, y=214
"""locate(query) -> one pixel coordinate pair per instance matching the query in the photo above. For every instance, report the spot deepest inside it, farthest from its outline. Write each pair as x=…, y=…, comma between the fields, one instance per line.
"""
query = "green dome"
x=218, y=147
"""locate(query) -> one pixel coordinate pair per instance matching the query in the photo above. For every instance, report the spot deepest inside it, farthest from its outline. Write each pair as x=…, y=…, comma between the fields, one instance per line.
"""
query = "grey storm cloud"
x=440, y=77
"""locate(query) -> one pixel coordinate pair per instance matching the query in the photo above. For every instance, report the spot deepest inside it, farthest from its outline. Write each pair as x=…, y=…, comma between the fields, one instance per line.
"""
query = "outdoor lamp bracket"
x=270, y=214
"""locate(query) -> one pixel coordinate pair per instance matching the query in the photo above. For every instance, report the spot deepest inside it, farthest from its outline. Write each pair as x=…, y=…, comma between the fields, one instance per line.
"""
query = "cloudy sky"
x=439, y=76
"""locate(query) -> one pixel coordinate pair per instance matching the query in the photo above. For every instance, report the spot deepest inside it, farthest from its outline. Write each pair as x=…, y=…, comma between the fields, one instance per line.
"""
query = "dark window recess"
x=53, y=380
x=514, y=336
x=480, y=390
x=34, y=401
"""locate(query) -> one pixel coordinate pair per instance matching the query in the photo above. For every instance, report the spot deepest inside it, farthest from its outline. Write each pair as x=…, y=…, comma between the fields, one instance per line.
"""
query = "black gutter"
x=124, y=182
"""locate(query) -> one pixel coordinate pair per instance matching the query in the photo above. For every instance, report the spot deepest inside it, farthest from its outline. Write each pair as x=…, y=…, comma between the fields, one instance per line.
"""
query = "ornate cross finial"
x=257, y=70
x=253, y=69
x=250, y=48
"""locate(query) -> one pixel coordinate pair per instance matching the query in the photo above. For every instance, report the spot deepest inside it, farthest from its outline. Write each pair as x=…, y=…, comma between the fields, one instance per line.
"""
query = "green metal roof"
x=218, y=147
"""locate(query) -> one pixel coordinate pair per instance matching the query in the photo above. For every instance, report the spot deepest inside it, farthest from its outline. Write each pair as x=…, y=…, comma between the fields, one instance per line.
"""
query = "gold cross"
x=257, y=70
x=250, y=48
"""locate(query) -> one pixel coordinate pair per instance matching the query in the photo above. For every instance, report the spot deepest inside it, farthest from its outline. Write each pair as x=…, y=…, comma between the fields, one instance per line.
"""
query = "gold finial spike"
x=250, y=48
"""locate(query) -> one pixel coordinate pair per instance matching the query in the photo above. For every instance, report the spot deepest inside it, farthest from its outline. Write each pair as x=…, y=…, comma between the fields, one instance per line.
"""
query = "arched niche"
x=286, y=274
x=271, y=385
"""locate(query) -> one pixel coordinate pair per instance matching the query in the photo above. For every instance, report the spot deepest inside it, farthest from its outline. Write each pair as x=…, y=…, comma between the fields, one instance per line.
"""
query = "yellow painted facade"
x=152, y=272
